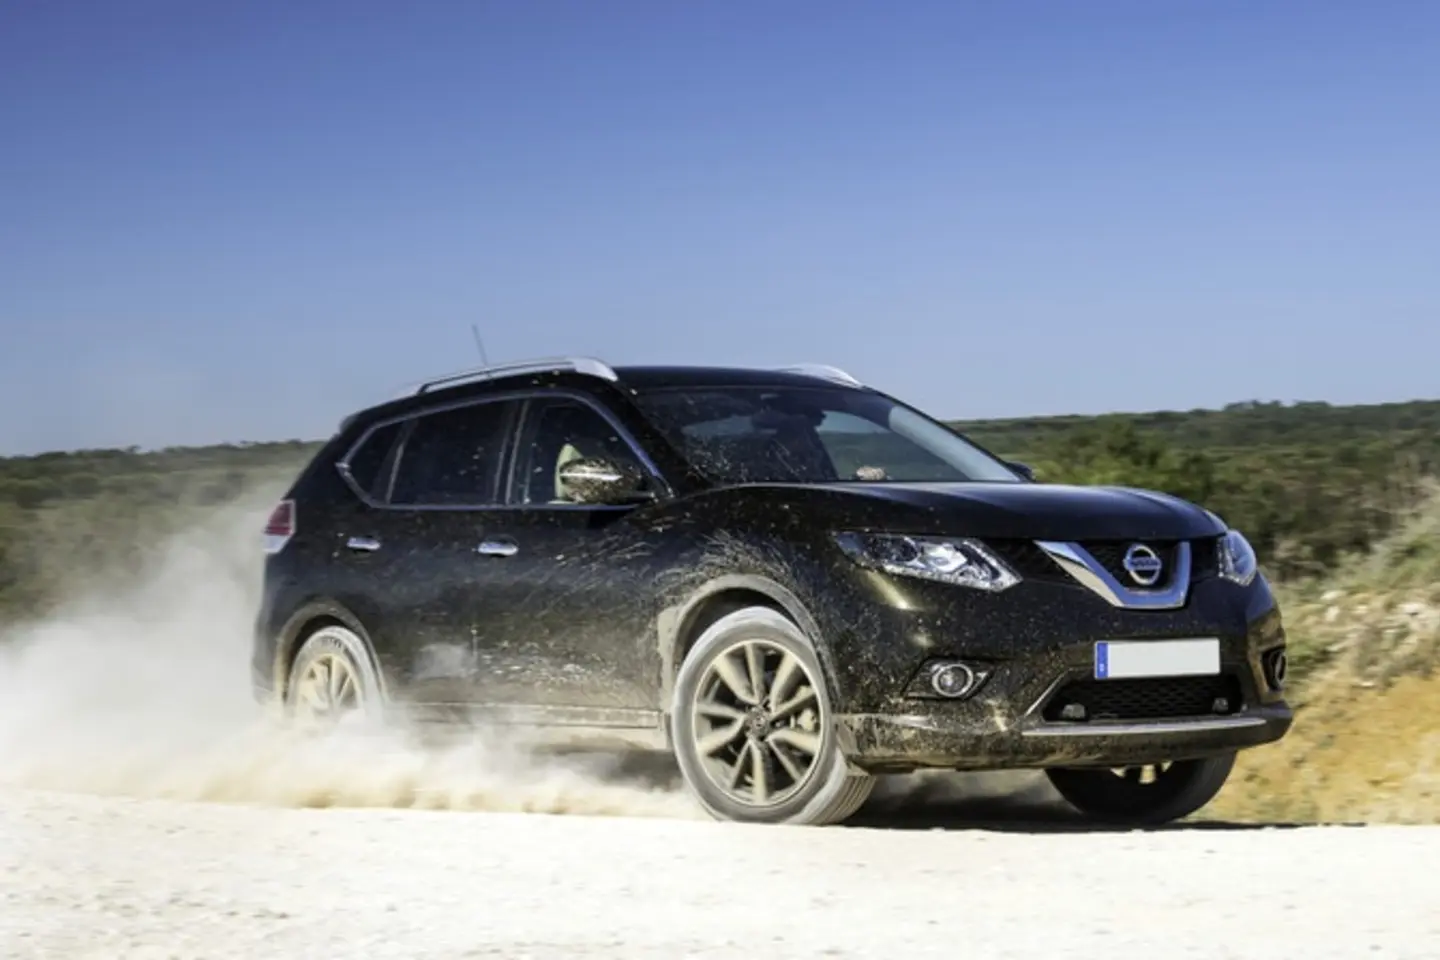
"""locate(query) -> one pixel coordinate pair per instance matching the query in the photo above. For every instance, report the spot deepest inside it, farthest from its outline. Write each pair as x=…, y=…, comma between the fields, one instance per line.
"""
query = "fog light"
x=952, y=680
x=946, y=679
x=1277, y=666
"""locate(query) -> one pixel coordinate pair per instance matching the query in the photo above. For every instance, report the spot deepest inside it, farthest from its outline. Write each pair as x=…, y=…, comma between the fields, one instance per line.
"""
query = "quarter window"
x=452, y=457
x=370, y=459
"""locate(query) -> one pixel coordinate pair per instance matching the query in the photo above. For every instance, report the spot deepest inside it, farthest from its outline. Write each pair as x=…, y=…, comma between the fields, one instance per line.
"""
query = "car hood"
x=1031, y=511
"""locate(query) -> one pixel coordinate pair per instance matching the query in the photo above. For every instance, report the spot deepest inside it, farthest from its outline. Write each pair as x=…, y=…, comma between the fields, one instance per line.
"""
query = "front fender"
x=677, y=624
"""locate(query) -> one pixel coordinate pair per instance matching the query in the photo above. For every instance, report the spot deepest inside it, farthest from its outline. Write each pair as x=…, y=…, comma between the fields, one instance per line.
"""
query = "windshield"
x=812, y=435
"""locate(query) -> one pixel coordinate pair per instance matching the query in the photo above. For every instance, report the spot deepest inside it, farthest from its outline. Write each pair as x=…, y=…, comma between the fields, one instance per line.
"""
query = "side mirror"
x=1024, y=469
x=596, y=480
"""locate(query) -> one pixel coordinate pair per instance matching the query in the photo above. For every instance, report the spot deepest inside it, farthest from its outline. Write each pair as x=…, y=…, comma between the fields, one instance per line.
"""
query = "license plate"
x=1116, y=660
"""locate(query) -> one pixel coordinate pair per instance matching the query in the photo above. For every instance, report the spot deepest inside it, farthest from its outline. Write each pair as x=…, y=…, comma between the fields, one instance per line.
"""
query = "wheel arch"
x=314, y=616
x=682, y=625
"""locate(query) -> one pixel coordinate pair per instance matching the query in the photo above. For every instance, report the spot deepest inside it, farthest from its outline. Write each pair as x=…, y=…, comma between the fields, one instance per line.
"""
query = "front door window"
x=558, y=431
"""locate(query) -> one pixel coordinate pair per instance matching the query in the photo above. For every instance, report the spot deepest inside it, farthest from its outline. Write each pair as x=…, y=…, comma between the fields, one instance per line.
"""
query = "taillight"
x=280, y=527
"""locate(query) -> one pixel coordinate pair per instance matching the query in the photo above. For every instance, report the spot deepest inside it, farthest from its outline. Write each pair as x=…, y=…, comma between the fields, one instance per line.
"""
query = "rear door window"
x=453, y=458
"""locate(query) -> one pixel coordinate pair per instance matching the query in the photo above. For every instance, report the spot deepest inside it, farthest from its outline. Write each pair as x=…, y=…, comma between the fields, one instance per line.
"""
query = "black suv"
x=791, y=581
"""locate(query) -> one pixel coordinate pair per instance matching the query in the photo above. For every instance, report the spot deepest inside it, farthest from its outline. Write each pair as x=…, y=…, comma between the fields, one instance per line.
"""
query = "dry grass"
x=1366, y=742
x=1355, y=755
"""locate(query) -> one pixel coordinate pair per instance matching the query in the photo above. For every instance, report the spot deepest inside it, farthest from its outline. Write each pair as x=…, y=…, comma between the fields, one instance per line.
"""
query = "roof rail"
x=587, y=366
x=823, y=371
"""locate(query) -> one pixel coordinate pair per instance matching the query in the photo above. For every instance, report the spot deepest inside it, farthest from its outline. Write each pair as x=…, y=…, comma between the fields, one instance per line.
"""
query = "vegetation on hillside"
x=70, y=517
x=1311, y=484
x=1339, y=501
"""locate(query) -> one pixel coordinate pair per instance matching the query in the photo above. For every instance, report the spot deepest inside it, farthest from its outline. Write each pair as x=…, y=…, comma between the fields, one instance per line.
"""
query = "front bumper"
x=895, y=742
x=1017, y=716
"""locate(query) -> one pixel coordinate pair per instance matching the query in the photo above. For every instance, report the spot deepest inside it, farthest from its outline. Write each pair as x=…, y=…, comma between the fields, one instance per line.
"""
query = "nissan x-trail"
x=790, y=580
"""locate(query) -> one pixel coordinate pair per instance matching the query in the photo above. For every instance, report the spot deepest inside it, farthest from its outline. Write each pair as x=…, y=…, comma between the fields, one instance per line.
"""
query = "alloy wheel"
x=757, y=723
x=1144, y=794
x=1144, y=775
x=328, y=688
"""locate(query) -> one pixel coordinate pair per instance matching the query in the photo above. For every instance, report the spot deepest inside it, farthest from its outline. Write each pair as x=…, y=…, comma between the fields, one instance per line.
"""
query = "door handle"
x=365, y=544
x=498, y=548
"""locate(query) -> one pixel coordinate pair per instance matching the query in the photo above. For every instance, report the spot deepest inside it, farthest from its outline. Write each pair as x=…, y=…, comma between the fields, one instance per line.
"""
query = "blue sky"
x=240, y=221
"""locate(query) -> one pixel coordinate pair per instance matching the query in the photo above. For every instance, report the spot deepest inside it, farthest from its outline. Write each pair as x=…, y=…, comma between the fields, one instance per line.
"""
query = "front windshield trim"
x=963, y=460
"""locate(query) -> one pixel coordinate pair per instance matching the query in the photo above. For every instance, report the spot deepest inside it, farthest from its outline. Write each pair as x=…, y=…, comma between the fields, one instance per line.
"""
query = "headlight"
x=964, y=563
x=1237, y=558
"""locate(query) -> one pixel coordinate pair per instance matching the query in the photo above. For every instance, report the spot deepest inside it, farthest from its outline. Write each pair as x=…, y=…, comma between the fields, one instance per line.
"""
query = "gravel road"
x=89, y=876
x=144, y=813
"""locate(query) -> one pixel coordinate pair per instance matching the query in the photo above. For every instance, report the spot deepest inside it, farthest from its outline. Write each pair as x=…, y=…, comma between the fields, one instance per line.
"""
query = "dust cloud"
x=143, y=691
x=139, y=687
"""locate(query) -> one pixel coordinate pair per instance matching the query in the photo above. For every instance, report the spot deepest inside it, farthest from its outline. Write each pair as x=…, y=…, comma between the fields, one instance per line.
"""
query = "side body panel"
x=568, y=613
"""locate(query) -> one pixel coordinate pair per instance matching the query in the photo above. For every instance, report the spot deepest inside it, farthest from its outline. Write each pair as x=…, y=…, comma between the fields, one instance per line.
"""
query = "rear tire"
x=753, y=729
x=333, y=681
x=1125, y=797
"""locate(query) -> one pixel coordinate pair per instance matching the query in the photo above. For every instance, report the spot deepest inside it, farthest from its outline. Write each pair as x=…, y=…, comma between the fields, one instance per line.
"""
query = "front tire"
x=753, y=728
x=1143, y=796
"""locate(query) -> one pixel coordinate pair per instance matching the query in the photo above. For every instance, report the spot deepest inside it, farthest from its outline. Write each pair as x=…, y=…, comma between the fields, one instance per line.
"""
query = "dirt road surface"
x=89, y=876
x=146, y=812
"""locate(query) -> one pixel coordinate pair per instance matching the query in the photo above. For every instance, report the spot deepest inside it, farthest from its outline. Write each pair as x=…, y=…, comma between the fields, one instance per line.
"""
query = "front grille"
x=1162, y=698
x=1033, y=563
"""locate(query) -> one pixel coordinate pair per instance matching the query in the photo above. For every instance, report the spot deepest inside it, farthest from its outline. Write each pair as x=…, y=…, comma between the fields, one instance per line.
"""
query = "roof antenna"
x=479, y=344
